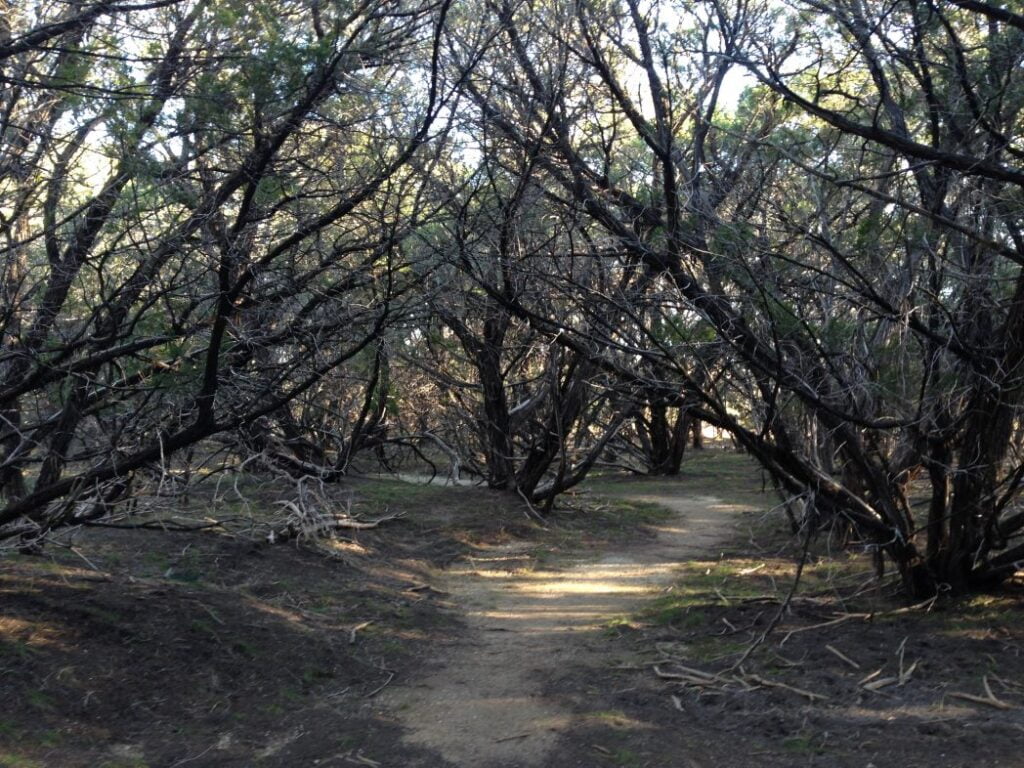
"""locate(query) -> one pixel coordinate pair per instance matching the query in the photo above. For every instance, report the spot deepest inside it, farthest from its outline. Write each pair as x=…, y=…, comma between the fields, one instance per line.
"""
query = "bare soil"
x=463, y=635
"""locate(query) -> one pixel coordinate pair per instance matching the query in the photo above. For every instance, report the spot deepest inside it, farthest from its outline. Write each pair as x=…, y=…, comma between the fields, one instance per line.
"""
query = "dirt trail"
x=483, y=706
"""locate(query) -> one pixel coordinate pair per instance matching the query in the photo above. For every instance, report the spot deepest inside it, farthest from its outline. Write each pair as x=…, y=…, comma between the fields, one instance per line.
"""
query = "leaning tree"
x=848, y=234
x=203, y=204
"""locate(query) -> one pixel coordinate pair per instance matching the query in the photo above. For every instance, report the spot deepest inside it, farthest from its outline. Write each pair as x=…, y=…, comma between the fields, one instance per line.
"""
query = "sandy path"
x=482, y=707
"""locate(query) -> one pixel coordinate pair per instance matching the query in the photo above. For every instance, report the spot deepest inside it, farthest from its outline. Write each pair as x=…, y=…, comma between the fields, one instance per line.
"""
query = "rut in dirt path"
x=483, y=706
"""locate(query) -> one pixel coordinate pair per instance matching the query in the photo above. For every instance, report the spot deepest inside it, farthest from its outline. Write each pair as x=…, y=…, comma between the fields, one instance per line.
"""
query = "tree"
x=527, y=415
x=921, y=146
x=198, y=231
x=896, y=363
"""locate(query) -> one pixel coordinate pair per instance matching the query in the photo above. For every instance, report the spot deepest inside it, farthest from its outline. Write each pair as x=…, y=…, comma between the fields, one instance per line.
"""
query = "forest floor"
x=462, y=634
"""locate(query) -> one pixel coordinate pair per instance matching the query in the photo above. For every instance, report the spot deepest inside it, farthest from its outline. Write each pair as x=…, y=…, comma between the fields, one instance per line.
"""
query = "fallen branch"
x=688, y=674
x=810, y=695
x=503, y=739
x=879, y=683
x=905, y=675
x=923, y=605
x=363, y=525
x=360, y=759
x=296, y=529
x=989, y=699
x=822, y=625
x=169, y=525
x=842, y=656
x=356, y=628
x=382, y=686
x=989, y=702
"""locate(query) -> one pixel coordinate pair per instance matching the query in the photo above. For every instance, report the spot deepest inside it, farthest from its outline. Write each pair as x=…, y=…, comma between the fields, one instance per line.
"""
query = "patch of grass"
x=50, y=739
x=615, y=627
x=102, y=615
x=244, y=648
x=187, y=568
x=11, y=760
x=390, y=646
x=53, y=565
x=798, y=744
x=402, y=616
x=378, y=493
x=603, y=516
x=39, y=701
x=703, y=583
x=113, y=559
x=320, y=604
x=632, y=512
x=836, y=572
x=626, y=758
x=549, y=554
x=676, y=611
x=18, y=649
x=802, y=744
x=722, y=473
x=313, y=675
x=713, y=648
x=154, y=564
x=201, y=627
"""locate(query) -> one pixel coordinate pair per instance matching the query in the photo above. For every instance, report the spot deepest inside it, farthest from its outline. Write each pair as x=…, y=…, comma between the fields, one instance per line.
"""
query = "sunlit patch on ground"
x=25, y=634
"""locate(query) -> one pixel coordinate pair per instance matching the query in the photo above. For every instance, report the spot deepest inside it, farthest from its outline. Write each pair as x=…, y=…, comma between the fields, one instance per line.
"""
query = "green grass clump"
x=382, y=492
x=11, y=760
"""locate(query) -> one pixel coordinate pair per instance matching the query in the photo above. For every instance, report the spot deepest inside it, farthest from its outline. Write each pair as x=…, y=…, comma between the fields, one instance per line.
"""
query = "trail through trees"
x=525, y=238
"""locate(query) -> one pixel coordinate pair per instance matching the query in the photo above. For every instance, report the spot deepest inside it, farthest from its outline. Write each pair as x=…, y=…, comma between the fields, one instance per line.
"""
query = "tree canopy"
x=531, y=238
